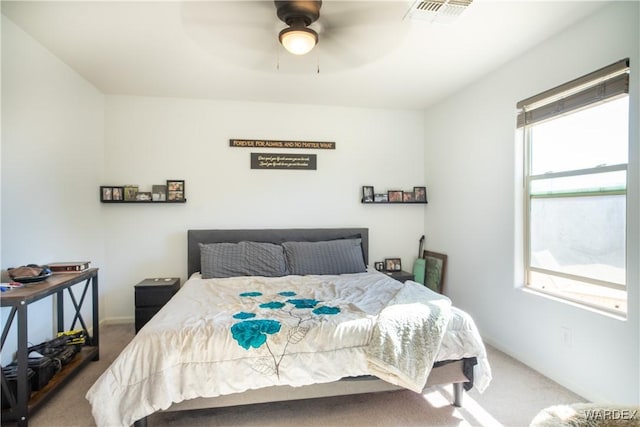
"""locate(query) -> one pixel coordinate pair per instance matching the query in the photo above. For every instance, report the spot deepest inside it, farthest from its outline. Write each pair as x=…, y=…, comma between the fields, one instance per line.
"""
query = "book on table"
x=69, y=267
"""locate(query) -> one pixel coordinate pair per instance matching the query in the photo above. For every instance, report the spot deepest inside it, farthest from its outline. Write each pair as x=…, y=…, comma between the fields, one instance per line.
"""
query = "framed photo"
x=435, y=267
x=175, y=190
x=143, y=196
x=117, y=193
x=159, y=193
x=379, y=265
x=395, y=196
x=106, y=194
x=407, y=197
x=367, y=194
x=420, y=194
x=130, y=192
x=380, y=198
x=392, y=264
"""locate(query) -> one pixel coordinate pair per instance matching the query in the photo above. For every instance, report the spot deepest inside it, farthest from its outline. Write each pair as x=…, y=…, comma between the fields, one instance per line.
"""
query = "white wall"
x=52, y=163
x=149, y=140
x=473, y=166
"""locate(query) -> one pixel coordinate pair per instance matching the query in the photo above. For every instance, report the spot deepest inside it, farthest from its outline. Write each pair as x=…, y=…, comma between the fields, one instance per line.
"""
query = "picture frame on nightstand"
x=393, y=264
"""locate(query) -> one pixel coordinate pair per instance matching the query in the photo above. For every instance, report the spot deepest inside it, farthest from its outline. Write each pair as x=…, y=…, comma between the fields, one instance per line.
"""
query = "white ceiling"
x=368, y=55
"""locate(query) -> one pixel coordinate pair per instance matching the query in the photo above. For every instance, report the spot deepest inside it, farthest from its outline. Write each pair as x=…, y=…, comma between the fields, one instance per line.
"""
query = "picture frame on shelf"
x=408, y=197
x=380, y=198
x=117, y=193
x=392, y=264
x=106, y=193
x=420, y=194
x=379, y=265
x=395, y=196
x=435, y=268
x=143, y=196
x=159, y=193
x=367, y=194
x=130, y=192
x=175, y=190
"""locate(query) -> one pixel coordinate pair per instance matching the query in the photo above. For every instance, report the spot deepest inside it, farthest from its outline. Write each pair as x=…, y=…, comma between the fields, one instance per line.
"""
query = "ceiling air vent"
x=443, y=11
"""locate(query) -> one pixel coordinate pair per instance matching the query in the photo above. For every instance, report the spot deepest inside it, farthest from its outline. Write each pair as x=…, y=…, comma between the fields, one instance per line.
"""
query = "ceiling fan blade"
x=357, y=33
x=351, y=13
x=246, y=25
x=227, y=13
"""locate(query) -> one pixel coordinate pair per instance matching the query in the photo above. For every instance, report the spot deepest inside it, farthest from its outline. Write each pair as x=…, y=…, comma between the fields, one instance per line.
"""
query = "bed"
x=284, y=314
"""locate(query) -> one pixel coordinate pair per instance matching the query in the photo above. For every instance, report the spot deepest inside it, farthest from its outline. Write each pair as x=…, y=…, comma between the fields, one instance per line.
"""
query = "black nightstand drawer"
x=143, y=315
x=151, y=295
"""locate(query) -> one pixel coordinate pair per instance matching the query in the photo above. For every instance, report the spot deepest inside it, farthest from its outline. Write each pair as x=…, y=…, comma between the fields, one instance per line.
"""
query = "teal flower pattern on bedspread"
x=253, y=332
x=326, y=310
x=250, y=294
x=242, y=315
x=303, y=303
x=274, y=305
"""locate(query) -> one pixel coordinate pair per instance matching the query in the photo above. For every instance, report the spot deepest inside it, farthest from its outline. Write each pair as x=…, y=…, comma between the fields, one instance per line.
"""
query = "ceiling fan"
x=341, y=34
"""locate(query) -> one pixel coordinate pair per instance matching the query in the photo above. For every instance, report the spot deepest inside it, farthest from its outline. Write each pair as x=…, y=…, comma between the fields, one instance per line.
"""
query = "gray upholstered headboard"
x=194, y=237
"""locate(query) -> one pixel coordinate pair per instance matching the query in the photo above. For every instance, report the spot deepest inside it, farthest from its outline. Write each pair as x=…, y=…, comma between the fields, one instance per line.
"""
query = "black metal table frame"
x=19, y=407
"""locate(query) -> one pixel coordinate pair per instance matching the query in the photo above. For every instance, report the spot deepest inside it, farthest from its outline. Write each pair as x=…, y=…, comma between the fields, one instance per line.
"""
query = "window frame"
x=550, y=105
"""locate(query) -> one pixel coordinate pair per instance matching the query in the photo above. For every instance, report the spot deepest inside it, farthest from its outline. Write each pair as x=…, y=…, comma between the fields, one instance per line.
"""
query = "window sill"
x=618, y=315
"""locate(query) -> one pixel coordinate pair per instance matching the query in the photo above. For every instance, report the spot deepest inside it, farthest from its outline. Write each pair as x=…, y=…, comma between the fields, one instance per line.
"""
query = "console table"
x=19, y=299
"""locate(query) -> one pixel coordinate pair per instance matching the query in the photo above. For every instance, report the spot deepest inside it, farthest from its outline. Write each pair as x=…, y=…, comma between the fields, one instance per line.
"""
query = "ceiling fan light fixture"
x=298, y=40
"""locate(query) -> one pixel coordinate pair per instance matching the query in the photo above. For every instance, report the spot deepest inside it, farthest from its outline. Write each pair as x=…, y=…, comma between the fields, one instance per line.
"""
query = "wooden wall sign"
x=283, y=161
x=310, y=145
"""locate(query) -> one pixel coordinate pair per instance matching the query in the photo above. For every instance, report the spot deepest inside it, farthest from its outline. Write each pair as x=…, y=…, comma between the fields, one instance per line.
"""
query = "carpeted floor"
x=514, y=397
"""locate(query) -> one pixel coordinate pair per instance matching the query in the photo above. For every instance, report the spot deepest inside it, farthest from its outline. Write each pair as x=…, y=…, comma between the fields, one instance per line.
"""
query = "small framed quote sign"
x=283, y=161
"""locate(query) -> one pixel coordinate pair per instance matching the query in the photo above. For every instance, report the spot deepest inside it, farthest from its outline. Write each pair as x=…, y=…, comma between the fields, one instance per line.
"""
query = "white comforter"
x=223, y=336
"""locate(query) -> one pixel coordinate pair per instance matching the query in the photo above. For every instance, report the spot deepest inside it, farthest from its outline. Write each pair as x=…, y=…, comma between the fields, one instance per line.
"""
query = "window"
x=576, y=139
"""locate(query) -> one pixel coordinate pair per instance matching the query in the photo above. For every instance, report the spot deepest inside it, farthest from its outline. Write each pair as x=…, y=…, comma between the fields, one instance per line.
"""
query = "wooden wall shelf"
x=417, y=196
x=393, y=203
x=149, y=202
x=172, y=192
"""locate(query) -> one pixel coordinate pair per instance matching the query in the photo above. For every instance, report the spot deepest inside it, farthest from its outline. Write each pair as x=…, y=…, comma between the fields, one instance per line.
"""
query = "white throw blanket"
x=406, y=338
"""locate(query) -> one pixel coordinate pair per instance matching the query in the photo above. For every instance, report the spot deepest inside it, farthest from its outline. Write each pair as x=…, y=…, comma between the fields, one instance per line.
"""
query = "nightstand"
x=401, y=276
x=151, y=295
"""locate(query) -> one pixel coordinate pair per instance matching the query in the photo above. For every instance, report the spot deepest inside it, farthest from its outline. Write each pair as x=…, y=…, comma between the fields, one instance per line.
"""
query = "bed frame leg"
x=458, y=394
x=142, y=422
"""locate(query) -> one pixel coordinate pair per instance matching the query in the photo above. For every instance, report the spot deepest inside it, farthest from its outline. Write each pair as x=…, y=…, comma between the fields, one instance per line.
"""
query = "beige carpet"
x=515, y=396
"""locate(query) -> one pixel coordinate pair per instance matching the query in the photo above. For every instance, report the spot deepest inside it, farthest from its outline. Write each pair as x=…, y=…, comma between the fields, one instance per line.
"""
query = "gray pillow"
x=341, y=256
x=219, y=260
